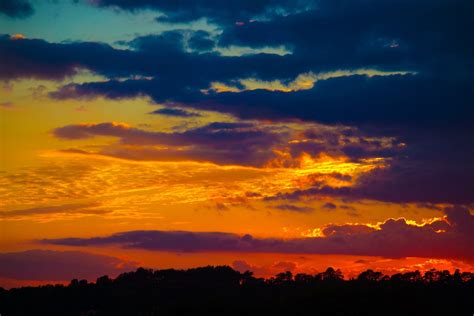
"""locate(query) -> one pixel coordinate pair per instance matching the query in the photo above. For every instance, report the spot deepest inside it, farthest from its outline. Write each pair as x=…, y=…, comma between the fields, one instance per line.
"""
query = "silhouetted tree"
x=103, y=281
x=370, y=276
x=224, y=291
x=331, y=275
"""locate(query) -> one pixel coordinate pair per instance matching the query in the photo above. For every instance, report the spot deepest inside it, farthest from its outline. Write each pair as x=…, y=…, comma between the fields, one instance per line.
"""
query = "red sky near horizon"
x=272, y=136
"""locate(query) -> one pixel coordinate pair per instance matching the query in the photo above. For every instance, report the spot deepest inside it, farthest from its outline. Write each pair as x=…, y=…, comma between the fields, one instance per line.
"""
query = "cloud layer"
x=230, y=12
x=451, y=237
x=241, y=143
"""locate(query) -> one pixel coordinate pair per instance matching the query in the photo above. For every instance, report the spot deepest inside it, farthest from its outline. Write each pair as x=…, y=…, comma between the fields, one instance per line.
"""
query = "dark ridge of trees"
x=224, y=291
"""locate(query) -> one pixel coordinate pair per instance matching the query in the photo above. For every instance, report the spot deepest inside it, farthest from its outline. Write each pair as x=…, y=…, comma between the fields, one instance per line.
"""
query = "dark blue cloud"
x=163, y=57
x=16, y=8
x=423, y=35
x=383, y=101
x=415, y=100
x=201, y=41
x=335, y=35
x=229, y=11
x=35, y=58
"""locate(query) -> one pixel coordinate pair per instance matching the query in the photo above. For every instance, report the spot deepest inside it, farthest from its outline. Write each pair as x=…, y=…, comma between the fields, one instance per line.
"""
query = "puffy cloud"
x=451, y=237
x=51, y=265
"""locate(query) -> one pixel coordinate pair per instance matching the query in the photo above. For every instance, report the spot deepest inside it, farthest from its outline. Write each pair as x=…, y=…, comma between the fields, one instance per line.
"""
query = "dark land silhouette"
x=224, y=291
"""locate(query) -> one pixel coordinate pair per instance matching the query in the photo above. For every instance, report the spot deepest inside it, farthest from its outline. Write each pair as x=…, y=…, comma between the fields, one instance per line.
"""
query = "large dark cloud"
x=400, y=184
x=335, y=35
x=434, y=167
x=51, y=265
x=241, y=143
x=230, y=11
x=443, y=62
x=450, y=238
x=201, y=41
x=35, y=58
x=16, y=8
x=423, y=35
x=163, y=56
x=409, y=100
x=432, y=117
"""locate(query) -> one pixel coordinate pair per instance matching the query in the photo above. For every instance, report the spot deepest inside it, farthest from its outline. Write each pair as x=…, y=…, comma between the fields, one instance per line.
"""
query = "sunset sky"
x=268, y=135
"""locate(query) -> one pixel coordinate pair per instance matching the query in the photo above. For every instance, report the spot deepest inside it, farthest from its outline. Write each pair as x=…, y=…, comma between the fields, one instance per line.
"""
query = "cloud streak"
x=51, y=265
x=175, y=112
x=83, y=209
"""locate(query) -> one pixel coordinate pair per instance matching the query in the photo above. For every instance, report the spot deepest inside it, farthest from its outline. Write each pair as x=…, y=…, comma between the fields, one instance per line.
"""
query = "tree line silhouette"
x=223, y=291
